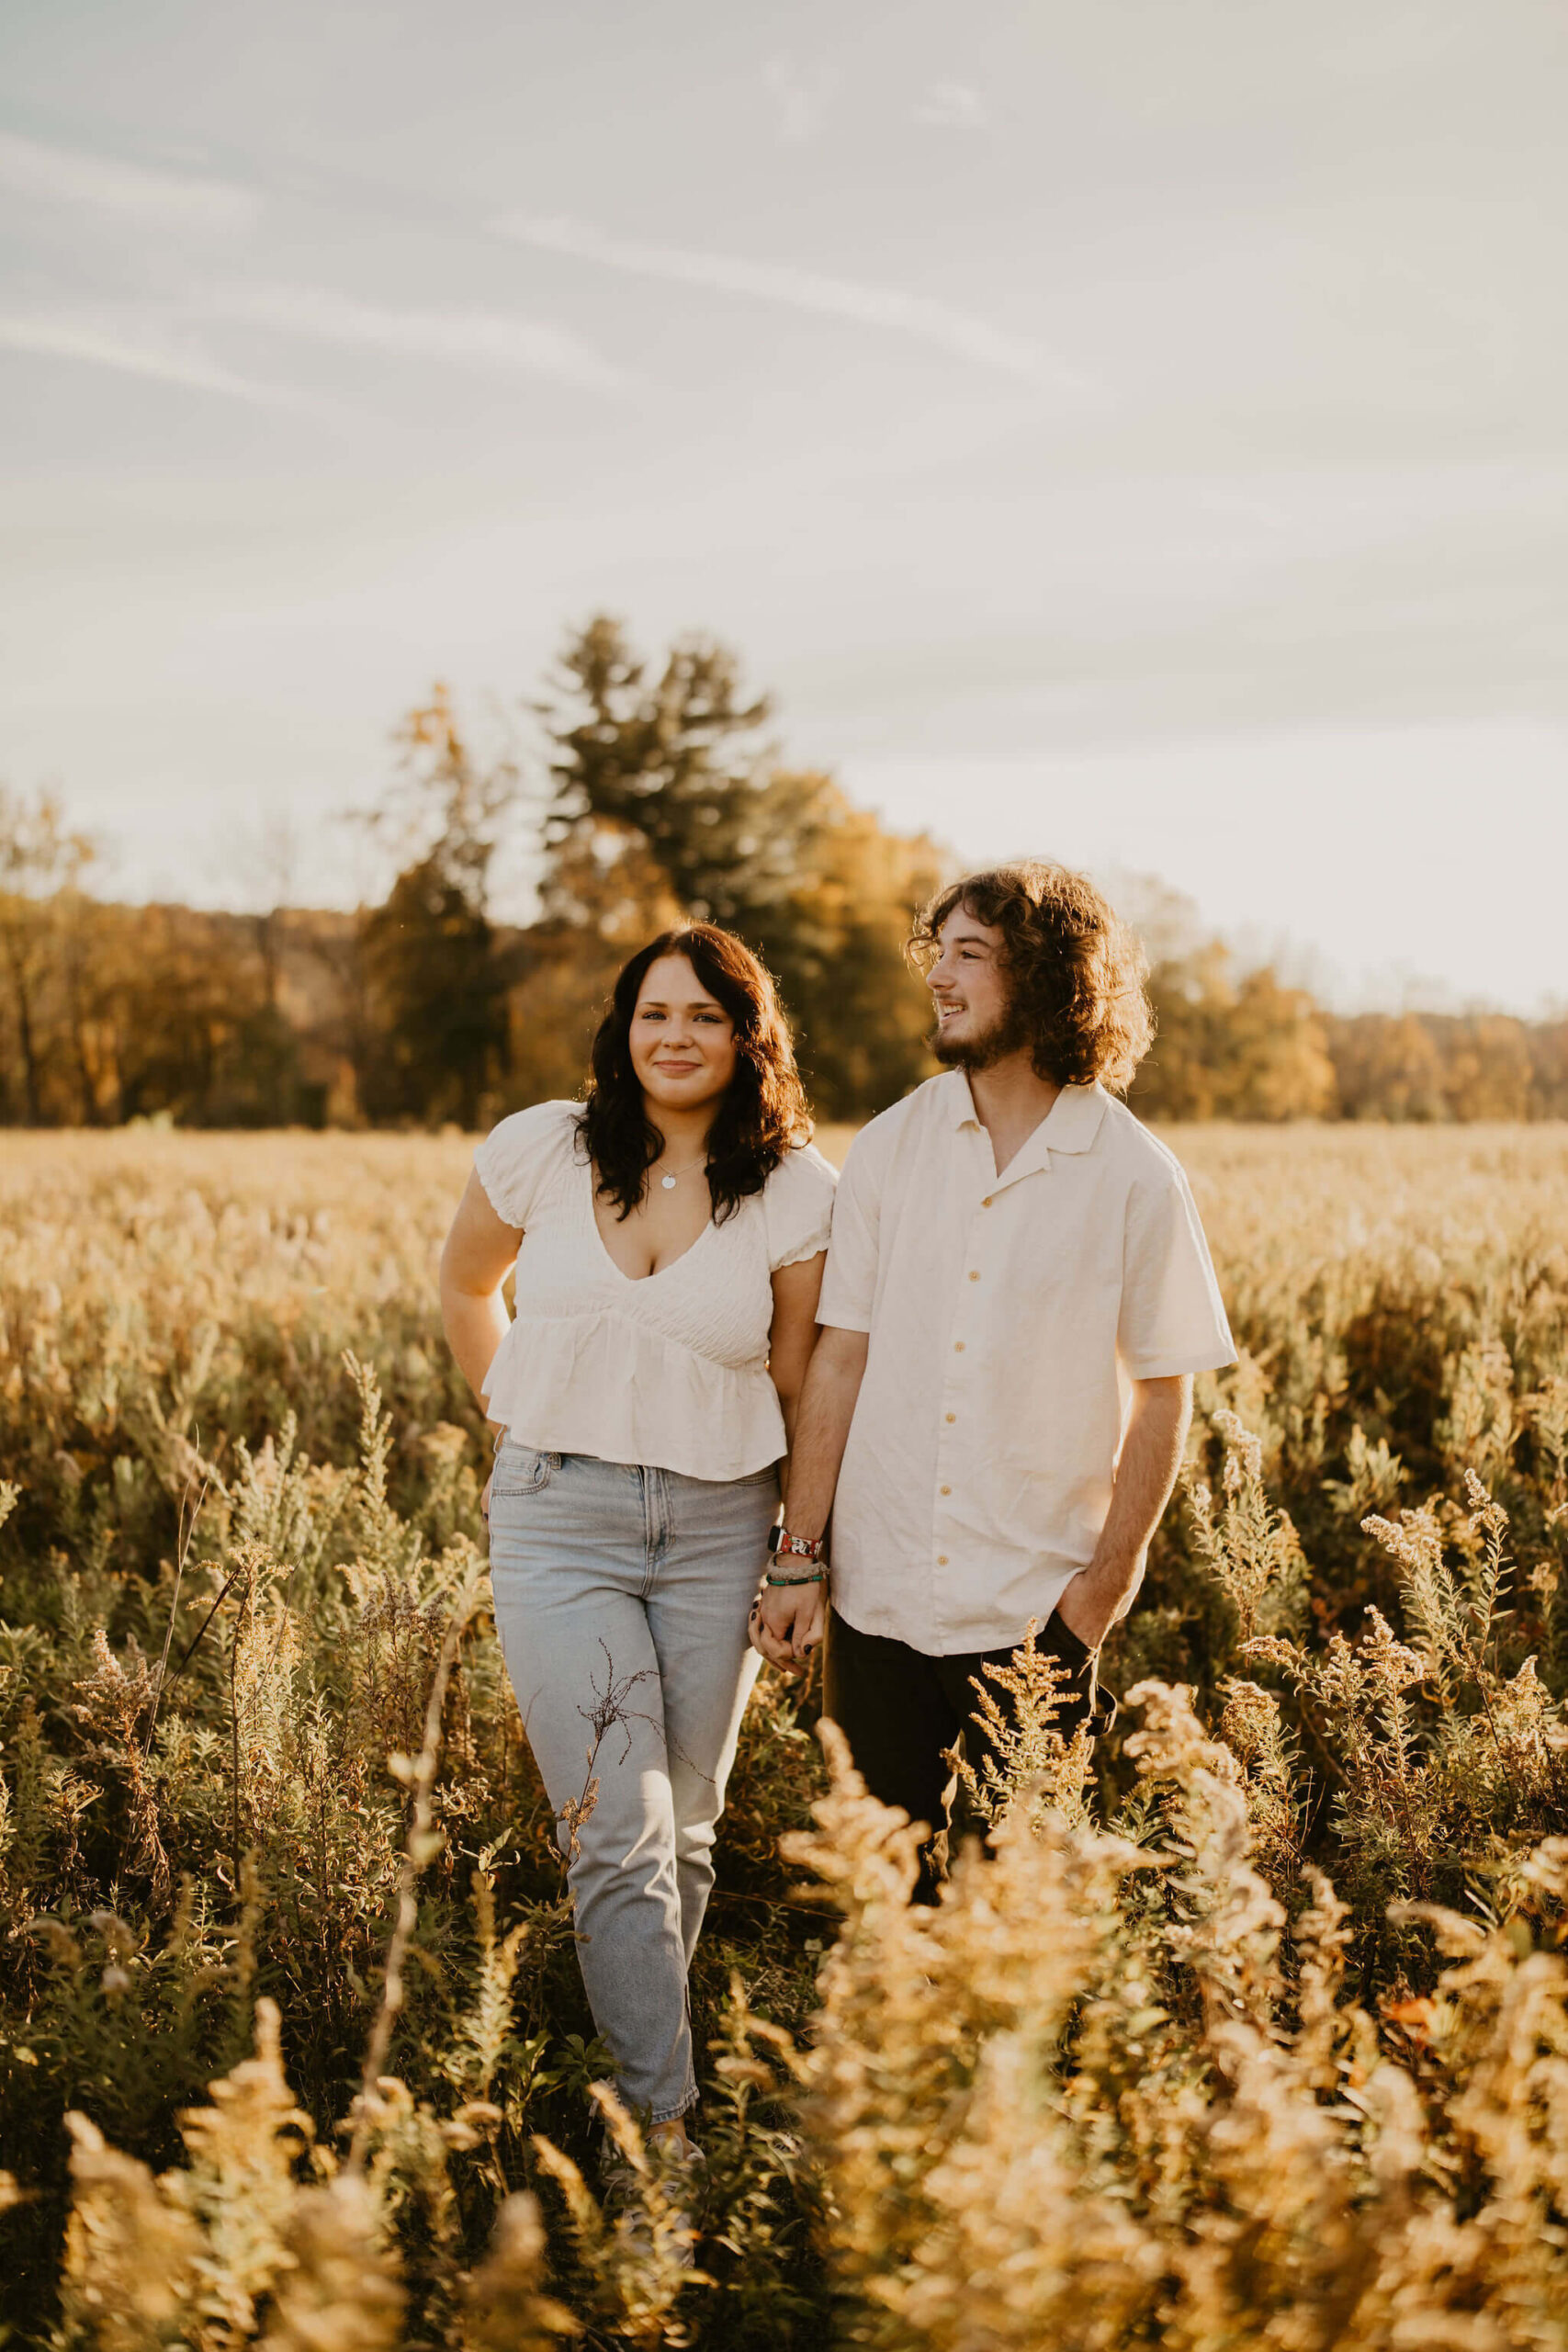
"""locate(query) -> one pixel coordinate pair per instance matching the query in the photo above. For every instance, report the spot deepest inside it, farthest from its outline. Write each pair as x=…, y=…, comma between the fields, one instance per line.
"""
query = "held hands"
x=788, y=1622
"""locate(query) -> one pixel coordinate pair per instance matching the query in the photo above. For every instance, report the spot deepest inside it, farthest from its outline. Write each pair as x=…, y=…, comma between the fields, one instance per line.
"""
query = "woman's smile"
x=681, y=1037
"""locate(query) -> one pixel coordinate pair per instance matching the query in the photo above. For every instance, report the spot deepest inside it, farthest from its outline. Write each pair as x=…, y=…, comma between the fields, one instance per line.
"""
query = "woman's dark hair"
x=1076, y=973
x=762, y=1114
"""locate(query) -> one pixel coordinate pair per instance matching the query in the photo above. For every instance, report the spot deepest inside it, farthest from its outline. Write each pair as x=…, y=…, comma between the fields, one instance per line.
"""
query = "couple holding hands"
x=976, y=1355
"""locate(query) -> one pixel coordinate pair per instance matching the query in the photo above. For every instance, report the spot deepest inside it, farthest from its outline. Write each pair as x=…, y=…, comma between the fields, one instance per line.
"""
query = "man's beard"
x=1008, y=1033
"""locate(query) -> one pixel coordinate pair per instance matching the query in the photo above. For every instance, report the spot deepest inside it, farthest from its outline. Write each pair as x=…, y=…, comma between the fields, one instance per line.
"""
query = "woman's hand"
x=788, y=1621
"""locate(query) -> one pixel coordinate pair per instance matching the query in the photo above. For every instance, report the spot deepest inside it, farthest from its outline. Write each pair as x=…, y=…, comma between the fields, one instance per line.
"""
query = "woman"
x=669, y=1239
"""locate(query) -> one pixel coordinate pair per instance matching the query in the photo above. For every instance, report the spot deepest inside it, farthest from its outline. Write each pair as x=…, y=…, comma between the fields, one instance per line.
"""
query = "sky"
x=1134, y=431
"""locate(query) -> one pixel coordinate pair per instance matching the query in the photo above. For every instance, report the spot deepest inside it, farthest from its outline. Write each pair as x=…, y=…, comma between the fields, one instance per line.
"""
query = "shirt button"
x=986, y=1202
x=951, y=1417
x=944, y=1490
x=958, y=1347
x=941, y=1559
x=973, y=1276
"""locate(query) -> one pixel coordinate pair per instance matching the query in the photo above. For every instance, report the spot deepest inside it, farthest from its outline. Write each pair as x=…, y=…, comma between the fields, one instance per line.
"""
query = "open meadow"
x=1256, y=2032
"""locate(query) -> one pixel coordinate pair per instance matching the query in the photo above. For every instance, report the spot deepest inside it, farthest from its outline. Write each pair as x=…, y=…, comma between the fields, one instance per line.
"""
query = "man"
x=1018, y=1293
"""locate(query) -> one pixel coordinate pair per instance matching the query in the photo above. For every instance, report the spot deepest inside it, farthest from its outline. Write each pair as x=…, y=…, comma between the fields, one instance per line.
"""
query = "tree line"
x=659, y=794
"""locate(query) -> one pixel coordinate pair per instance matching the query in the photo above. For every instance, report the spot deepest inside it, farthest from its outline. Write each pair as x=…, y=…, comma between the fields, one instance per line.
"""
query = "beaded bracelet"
x=819, y=1576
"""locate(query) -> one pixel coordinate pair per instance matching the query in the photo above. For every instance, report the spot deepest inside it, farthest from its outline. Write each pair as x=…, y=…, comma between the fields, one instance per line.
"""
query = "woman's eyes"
x=696, y=1016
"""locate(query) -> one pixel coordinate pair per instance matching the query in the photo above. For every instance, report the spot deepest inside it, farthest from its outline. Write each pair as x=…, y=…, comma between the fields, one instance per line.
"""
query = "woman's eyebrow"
x=692, y=1004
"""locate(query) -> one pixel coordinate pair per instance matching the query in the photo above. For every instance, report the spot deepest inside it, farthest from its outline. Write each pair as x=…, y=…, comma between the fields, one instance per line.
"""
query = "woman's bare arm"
x=793, y=1332
x=479, y=1253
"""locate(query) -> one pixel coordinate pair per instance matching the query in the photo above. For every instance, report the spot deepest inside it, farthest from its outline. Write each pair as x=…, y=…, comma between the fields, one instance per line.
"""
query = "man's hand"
x=1090, y=1605
x=1151, y=1456
x=787, y=1623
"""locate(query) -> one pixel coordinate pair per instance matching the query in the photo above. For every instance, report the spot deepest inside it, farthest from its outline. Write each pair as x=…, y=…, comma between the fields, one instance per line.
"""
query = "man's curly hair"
x=1078, y=974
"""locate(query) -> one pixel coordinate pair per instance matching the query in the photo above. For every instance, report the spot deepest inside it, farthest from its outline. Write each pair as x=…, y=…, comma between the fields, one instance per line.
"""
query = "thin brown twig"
x=417, y=1850
x=234, y=1733
x=230, y=1582
x=186, y=1537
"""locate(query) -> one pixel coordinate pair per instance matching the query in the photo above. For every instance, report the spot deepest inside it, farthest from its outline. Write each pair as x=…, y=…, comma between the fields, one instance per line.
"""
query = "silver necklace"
x=669, y=1182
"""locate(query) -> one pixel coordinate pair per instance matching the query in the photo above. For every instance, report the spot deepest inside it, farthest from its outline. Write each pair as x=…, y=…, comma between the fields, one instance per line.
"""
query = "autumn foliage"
x=635, y=793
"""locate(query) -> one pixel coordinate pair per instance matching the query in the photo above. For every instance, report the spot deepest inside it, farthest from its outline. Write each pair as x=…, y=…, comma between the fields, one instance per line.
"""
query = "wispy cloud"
x=136, y=350
x=138, y=191
x=801, y=100
x=952, y=106
x=888, y=307
x=464, y=338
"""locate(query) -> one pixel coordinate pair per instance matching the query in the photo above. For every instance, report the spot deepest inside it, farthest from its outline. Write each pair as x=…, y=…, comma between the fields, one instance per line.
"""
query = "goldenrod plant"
x=1246, y=2025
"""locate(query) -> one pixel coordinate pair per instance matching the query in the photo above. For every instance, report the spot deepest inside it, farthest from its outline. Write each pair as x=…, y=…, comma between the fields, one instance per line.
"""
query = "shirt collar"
x=1070, y=1125
x=1073, y=1121
x=960, y=1102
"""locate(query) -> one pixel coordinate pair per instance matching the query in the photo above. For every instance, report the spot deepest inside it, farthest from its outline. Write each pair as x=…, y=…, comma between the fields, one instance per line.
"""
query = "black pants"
x=899, y=1709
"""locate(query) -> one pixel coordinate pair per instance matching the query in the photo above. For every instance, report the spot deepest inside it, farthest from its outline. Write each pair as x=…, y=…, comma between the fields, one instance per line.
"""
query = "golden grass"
x=1256, y=2030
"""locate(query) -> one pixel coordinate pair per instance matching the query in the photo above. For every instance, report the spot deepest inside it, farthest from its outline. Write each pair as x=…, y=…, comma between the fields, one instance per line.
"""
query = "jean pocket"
x=1061, y=1642
x=522, y=1469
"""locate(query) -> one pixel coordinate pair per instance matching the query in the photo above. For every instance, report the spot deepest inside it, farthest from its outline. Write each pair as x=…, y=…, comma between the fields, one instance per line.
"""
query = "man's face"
x=975, y=1024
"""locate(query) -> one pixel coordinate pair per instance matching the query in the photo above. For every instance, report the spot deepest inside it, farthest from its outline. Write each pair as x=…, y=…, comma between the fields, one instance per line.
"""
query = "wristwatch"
x=796, y=1547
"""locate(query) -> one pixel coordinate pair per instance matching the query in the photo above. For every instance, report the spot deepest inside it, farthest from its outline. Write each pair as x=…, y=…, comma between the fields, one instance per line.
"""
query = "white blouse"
x=671, y=1371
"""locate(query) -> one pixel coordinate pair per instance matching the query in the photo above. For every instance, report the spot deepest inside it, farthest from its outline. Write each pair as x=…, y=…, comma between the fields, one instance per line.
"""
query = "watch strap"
x=784, y=1545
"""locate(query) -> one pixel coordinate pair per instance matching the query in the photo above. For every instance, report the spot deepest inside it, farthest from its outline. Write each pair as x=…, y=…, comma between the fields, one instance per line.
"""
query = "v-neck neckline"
x=636, y=1281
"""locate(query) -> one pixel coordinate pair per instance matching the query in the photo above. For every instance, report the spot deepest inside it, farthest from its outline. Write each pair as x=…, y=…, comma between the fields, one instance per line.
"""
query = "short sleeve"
x=1173, y=1319
x=517, y=1158
x=849, y=1281
x=797, y=1201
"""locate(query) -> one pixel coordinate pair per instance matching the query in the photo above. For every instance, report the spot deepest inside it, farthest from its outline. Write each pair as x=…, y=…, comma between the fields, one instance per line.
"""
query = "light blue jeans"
x=621, y=1598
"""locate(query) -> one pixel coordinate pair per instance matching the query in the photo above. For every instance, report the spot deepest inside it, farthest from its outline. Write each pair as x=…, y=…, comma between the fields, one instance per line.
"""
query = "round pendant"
x=667, y=1183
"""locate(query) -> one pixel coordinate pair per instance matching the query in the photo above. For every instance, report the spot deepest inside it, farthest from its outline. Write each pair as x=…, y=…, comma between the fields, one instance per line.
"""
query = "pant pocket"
x=1059, y=1639
x=522, y=1469
x=1061, y=1642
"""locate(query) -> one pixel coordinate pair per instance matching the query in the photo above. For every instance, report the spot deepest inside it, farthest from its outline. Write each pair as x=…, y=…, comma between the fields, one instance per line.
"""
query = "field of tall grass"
x=1255, y=2030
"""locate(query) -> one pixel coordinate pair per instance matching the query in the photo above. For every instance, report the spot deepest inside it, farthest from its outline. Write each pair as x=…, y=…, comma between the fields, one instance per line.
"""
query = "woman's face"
x=682, y=1041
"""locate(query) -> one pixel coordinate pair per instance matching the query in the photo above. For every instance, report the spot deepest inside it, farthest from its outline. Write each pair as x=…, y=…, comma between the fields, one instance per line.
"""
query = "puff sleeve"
x=798, y=1203
x=521, y=1158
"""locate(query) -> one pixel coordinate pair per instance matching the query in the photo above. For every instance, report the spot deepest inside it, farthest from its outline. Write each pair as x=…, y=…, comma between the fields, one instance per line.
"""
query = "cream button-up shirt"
x=1007, y=1318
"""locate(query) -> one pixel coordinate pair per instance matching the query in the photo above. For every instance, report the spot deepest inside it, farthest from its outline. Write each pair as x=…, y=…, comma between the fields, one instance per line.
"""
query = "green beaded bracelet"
x=817, y=1576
